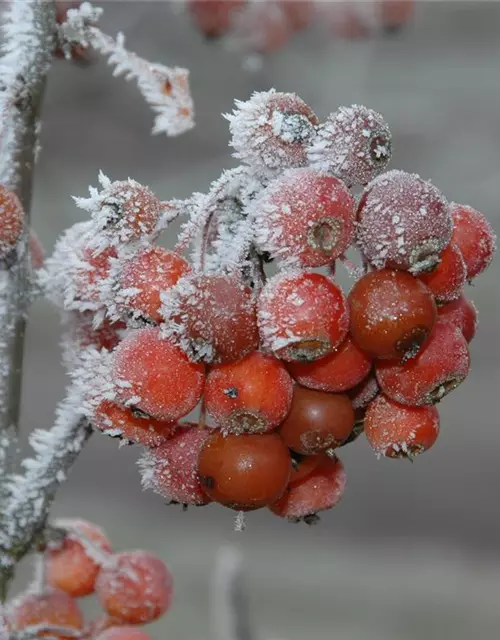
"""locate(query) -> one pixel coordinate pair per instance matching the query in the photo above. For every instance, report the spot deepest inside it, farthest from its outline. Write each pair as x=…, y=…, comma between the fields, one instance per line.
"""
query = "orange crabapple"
x=448, y=279
x=397, y=431
x=135, y=587
x=156, y=376
x=244, y=472
x=463, y=314
x=317, y=421
x=93, y=270
x=305, y=216
x=439, y=368
x=249, y=396
x=475, y=238
x=123, y=633
x=302, y=316
x=12, y=217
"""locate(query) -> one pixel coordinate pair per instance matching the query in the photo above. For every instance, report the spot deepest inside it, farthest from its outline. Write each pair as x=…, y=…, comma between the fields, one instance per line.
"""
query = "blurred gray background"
x=412, y=552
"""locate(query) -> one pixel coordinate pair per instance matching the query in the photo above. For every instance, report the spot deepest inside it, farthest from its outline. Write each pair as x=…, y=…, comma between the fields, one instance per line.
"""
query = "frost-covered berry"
x=90, y=275
x=82, y=333
x=271, y=130
x=70, y=566
x=244, y=472
x=448, y=279
x=212, y=317
x=403, y=223
x=306, y=217
x=442, y=364
x=11, y=220
x=395, y=431
x=317, y=421
x=364, y=393
x=135, y=587
x=303, y=465
x=339, y=371
x=475, y=238
x=322, y=489
x=302, y=316
x=261, y=27
x=353, y=144
x=392, y=314
x=170, y=470
x=213, y=17
x=131, y=424
x=156, y=376
x=144, y=277
x=249, y=396
x=463, y=314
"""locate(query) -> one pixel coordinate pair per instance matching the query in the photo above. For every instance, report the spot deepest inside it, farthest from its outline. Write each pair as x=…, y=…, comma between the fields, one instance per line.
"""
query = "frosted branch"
x=165, y=89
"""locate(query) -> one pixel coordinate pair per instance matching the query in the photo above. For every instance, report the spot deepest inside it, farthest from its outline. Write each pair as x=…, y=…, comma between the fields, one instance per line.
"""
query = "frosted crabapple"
x=340, y=370
x=396, y=431
x=448, y=279
x=249, y=396
x=12, y=217
x=92, y=270
x=441, y=365
x=82, y=333
x=360, y=397
x=303, y=465
x=463, y=314
x=302, y=316
x=261, y=27
x=475, y=238
x=271, y=130
x=156, y=376
x=306, y=217
x=244, y=472
x=354, y=144
x=135, y=587
x=317, y=421
x=212, y=317
x=392, y=314
x=403, y=222
x=171, y=469
x=213, y=17
x=69, y=566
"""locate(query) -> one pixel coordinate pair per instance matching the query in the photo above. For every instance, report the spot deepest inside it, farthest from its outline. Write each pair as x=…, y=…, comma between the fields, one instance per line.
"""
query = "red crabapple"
x=70, y=567
x=92, y=271
x=392, y=314
x=448, y=279
x=303, y=465
x=51, y=607
x=156, y=376
x=145, y=276
x=354, y=144
x=250, y=396
x=340, y=370
x=475, y=238
x=123, y=633
x=12, y=220
x=272, y=130
x=441, y=365
x=322, y=489
x=302, y=316
x=212, y=317
x=463, y=314
x=317, y=421
x=305, y=216
x=395, y=431
x=131, y=424
x=364, y=393
x=82, y=332
x=213, y=17
x=136, y=587
x=403, y=222
x=244, y=472
x=171, y=471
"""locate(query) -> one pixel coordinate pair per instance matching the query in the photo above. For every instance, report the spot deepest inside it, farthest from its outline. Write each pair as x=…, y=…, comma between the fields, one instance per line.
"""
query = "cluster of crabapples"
x=286, y=368
x=266, y=26
x=133, y=588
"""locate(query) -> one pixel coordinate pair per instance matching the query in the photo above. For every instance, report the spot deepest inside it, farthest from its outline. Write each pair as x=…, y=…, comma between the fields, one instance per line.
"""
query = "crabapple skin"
x=131, y=425
x=396, y=431
x=51, y=607
x=475, y=238
x=171, y=470
x=303, y=465
x=463, y=314
x=403, y=223
x=305, y=216
x=145, y=276
x=250, y=396
x=94, y=270
x=448, y=279
x=156, y=376
x=441, y=365
x=339, y=371
x=135, y=588
x=244, y=472
x=123, y=633
x=69, y=567
x=322, y=489
x=12, y=217
x=302, y=316
x=317, y=421
x=364, y=392
x=82, y=332
x=392, y=314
